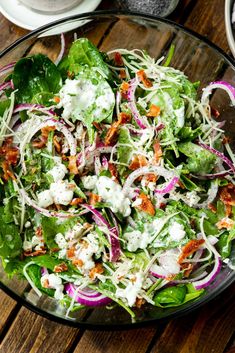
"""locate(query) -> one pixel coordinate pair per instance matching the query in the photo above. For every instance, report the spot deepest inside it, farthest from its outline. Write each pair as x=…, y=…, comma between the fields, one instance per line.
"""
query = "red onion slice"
x=7, y=69
x=218, y=84
x=160, y=171
x=212, y=275
x=219, y=175
x=86, y=296
x=132, y=103
x=6, y=85
x=115, y=249
x=168, y=187
x=218, y=154
x=27, y=106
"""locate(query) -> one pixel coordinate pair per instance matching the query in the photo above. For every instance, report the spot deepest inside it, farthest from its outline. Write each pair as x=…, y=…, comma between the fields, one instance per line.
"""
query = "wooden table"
x=209, y=329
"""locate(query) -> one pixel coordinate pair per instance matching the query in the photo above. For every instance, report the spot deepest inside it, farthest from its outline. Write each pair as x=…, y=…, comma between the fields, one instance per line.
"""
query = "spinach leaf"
x=224, y=244
x=83, y=52
x=175, y=296
x=10, y=240
x=124, y=152
x=51, y=226
x=199, y=160
x=34, y=273
x=33, y=75
x=4, y=104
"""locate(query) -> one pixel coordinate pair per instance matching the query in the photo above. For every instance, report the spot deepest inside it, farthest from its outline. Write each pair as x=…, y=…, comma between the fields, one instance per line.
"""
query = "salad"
x=117, y=181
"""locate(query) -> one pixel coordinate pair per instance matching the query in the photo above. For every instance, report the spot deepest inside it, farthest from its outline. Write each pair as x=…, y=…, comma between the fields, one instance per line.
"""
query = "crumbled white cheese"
x=132, y=290
x=58, y=172
x=54, y=282
x=75, y=232
x=60, y=241
x=137, y=240
x=86, y=251
x=45, y=199
x=62, y=192
x=89, y=182
x=111, y=193
x=35, y=242
x=176, y=231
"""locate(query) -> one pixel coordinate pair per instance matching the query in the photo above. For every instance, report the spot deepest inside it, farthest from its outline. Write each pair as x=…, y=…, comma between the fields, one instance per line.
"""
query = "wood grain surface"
x=209, y=329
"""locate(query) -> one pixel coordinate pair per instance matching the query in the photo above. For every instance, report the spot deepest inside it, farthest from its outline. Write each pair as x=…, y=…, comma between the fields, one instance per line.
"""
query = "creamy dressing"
x=176, y=231
x=58, y=172
x=111, y=192
x=80, y=94
x=54, y=282
x=130, y=293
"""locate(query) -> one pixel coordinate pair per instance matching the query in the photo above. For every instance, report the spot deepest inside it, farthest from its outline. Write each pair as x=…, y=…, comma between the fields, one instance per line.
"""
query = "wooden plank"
x=31, y=333
x=207, y=19
x=7, y=306
x=135, y=341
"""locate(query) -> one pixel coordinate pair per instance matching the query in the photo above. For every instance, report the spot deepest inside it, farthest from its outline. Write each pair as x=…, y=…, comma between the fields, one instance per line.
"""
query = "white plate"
x=228, y=25
x=27, y=18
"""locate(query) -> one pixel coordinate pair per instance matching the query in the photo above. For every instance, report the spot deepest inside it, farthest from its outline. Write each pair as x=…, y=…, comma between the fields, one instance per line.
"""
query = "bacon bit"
x=113, y=171
x=227, y=194
x=64, y=158
x=157, y=151
x=70, y=252
x=55, y=250
x=142, y=76
x=40, y=143
x=226, y=139
x=192, y=246
x=181, y=185
x=72, y=166
x=78, y=263
x=118, y=59
x=61, y=268
x=112, y=134
x=162, y=206
x=94, y=199
x=45, y=283
x=151, y=178
x=124, y=86
x=70, y=75
x=138, y=161
x=7, y=173
x=215, y=112
x=212, y=207
x=38, y=232
x=187, y=267
x=95, y=270
x=57, y=145
x=139, y=302
x=124, y=89
x=56, y=99
x=10, y=155
x=225, y=223
x=146, y=204
x=35, y=253
x=9, y=152
x=122, y=74
x=124, y=118
x=76, y=201
x=97, y=126
x=154, y=111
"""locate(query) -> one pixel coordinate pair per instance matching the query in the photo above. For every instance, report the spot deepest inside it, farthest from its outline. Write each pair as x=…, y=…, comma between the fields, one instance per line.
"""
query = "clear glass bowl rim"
x=154, y=321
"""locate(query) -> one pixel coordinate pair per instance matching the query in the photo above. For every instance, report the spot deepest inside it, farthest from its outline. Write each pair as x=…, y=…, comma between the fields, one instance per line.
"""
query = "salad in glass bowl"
x=117, y=180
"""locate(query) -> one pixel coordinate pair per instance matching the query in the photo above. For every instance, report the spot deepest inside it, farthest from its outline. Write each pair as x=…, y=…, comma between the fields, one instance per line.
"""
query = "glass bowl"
x=199, y=59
